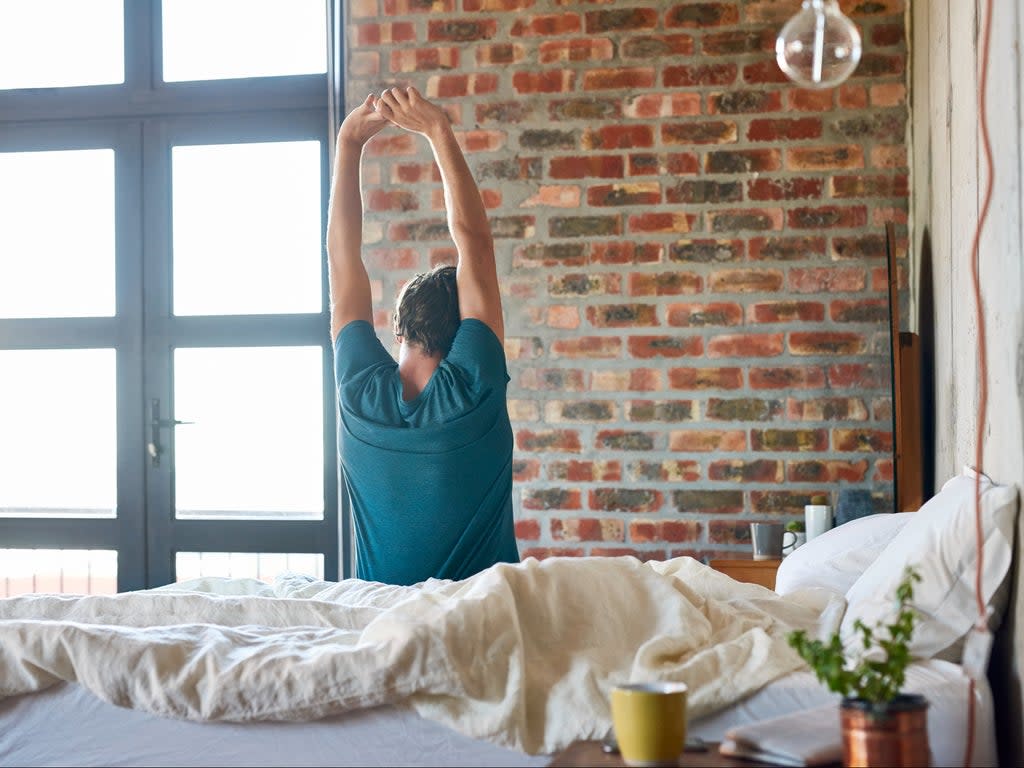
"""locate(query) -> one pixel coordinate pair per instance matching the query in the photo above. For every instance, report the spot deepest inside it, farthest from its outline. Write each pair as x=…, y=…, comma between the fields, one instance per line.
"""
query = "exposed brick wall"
x=691, y=251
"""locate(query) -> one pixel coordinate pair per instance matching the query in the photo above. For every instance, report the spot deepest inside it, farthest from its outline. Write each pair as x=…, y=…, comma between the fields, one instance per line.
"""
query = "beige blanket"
x=521, y=655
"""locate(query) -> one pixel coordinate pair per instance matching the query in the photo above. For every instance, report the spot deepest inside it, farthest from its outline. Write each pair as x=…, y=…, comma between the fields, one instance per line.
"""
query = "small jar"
x=817, y=516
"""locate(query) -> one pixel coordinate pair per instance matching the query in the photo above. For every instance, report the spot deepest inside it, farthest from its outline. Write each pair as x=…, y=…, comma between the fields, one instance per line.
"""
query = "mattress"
x=67, y=725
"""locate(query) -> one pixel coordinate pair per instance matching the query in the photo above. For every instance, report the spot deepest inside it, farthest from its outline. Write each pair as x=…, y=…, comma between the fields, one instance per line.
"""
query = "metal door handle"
x=153, y=447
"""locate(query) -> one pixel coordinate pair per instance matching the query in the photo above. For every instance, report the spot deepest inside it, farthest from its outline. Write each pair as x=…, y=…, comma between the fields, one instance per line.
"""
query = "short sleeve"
x=477, y=351
x=356, y=349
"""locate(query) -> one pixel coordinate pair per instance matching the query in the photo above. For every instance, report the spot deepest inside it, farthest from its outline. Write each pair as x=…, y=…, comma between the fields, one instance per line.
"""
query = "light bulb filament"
x=819, y=41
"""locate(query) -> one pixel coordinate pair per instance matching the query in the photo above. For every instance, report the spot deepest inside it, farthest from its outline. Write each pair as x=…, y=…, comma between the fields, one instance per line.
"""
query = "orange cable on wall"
x=979, y=448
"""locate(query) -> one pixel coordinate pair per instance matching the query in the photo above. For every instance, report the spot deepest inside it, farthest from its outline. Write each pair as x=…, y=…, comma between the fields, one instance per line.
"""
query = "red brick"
x=594, y=49
x=853, y=96
x=461, y=30
x=626, y=253
x=644, y=193
x=740, y=471
x=792, y=377
x=627, y=380
x=559, y=440
x=651, y=105
x=547, y=25
x=524, y=470
x=617, y=79
x=651, y=47
x=587, y=347
x=391, y=200
x=404, y=7
x=697, y=75
x=858, y=376
x=550, y=255
x=704, y=440
x=827, y=409
x=704, y=132
x=867, y=440
x=528, y=530
x=386, y=33
x=625, y=500
x=579, y=167
x=746, y=345
x=662, y=222
x=826, y=343
x=742, y=102
x=455, y=85
x=883, y=471
x=786, y=311
x=575, y=471
x=551, y=498
x=672, y=411
x=825, y=158
x=622, y=315
x=776, y=440
x=625, y=440
x=553, y=379
x=664, y=530
x=705, y=378
x=745, y=281
x=588, y=529
x=668, y=470
x=621, y=19
x=618, y=137
x=739, y=220
x=736, y=42
x=729, y=532
x=550, y=81
x=787, y=248
x=811, y=101
x=645, y=347
x=764, y=72
x=542, y=553
x=424, y=59
x=888, y=185
x=561, y=411
x=664, y=283
x=827, y=217
x=702, y=315
x=708, y=502
x=785, y=189
x=859, y=311
x=500, y=54
x=497, y=5
x=827, y=279
x=702, y=15
x=822, y=471
x=578, y=284
x=364, y=64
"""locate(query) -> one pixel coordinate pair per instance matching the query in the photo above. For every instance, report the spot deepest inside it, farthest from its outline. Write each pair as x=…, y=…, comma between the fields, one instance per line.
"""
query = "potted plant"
x=796, y=527
x=880, y=725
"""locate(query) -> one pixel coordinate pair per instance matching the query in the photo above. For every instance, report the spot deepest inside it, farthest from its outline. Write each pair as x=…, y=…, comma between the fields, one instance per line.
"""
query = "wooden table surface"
x=589, y=753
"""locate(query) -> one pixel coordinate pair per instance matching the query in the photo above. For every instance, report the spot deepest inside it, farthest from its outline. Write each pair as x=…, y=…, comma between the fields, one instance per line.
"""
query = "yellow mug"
x=650, y=722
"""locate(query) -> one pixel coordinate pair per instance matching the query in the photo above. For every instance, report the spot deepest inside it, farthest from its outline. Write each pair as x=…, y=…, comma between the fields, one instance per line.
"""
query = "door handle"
x=154, y=447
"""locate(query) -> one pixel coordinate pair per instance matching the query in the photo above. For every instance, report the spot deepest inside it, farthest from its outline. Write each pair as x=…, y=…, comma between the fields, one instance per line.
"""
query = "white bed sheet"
x=67, y=725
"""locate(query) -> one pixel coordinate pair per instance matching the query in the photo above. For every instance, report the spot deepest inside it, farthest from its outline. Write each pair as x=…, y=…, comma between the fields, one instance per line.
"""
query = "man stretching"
x=425, y=443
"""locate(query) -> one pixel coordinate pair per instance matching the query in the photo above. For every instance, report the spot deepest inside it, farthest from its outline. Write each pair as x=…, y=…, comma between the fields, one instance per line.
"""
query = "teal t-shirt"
x=429, y=480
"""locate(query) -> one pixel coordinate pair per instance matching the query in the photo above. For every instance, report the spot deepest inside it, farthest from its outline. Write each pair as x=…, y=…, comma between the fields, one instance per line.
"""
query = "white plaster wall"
x=948, y=183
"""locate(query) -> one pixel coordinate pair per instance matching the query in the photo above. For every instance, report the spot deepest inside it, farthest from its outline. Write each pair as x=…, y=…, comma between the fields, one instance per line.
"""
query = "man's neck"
x=415, y=369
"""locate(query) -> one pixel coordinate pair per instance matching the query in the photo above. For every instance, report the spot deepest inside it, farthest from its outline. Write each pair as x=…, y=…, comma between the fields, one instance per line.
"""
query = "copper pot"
x=894, y=735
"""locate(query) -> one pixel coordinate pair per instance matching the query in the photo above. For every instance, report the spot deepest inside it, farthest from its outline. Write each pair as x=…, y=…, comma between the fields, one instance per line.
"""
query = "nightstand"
x=749, y=570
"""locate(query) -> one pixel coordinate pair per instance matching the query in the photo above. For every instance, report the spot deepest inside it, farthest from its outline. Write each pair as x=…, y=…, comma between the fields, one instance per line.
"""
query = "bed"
x=501, y=669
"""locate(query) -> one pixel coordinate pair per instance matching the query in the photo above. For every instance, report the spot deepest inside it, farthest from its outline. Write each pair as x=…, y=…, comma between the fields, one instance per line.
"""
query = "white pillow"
x=836, y=558
x=939, y=540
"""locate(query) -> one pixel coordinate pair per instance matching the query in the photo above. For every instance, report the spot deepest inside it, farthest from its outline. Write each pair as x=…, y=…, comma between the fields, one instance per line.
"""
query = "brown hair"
x=427, y=313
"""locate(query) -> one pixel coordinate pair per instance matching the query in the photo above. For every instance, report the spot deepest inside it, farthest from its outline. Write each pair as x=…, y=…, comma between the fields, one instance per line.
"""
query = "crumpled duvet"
x=522, y=655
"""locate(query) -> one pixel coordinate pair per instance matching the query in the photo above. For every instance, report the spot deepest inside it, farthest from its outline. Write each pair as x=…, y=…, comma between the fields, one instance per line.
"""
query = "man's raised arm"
x=476, y=275
x=349, y=283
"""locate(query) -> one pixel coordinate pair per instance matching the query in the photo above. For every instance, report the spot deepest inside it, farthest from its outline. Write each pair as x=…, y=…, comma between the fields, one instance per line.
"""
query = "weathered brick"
x=669, y=471
x=625, y=499
x=525, y=470
x=576, y=284
x=599, y=166
x=587, y=347
x=705, y=378
x=742, y=409
x=542, y=553
x=859, y=311
x=787, y=248
x=757, y=220
x=624, y=440
x=822, y=471
x=827, y=409
x=826, y=343
x=622, y=315
x=551, y=498
x=830, y=158
x=550, y=255
x=618, y=79
x=404, y=7
x=738, y=101
x=522, y=410
x=700, y=315
x=661, y=410
x=664, y=530
x=644, y=193
x=559, y=440
x=559, y=411
x=703, y=191
x=708, y=502
x=780, y=502
x=386, y=33
x=547, y=25
x=738, y=41
x=620, y=19
x=701, y=15
x=665, y=346
x=455, y=85
x=789, y=439
x=664, y=283
x=588, y=529
x=888, y=185
x=883, y=471
x=461, y=30
x=593, y=49
x=625, y=253
x=792, y=377
x=707, y=132
x=858, y=375
x=746, y=345
x=555, y=196
x=656, y=46
x=786, y=311
x=869, y=440
x=860, y=247
x=662, y=222
x=585, y=109
x=828, y=217
x=576, y=471
x=741, y=471
x=424, y=59
x=785, y=189
x=696, y=75
x=627, y=380
x=706, y=251
x=827, y=280
x=745, y=281
x=643, y=555
x=500, y=54
x=707, y=440
x=546, y=138
x=584, y=226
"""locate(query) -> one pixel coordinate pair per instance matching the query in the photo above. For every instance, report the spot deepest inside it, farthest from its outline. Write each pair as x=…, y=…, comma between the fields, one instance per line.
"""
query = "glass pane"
x=53, y=43
x=57, y=263
x=246, y=565
x=76, y=571
x=247, y=228
x=256, y=448
x=216, y=39
x=58, y=433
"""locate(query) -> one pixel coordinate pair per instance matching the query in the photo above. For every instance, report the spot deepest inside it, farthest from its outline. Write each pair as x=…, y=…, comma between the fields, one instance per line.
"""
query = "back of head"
x=427, y=314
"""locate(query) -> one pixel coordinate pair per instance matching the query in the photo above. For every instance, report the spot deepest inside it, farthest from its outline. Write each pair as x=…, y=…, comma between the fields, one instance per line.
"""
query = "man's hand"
x=407, y=109
x=362, y=123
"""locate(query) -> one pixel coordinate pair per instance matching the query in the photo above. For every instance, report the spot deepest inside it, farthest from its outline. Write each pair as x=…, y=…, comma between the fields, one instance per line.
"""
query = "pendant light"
x=819, y=47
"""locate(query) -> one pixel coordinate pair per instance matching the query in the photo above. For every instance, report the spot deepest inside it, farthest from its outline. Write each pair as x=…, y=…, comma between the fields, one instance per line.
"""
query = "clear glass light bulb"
x=819, y=47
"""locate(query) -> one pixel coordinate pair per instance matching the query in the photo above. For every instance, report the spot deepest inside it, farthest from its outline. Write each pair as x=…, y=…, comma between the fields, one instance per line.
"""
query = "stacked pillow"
x=939, y=541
